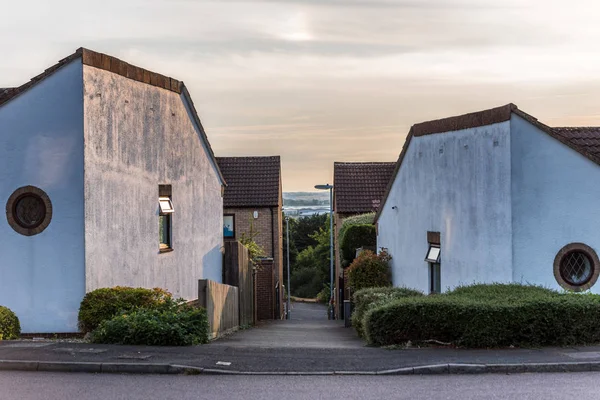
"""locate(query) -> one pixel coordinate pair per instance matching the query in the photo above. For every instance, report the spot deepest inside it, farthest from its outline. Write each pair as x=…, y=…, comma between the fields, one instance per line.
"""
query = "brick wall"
x=265, y=290
x=269, y=226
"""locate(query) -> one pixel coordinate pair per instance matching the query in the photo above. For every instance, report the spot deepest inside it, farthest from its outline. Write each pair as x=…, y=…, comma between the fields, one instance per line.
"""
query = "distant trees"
x=309, y=255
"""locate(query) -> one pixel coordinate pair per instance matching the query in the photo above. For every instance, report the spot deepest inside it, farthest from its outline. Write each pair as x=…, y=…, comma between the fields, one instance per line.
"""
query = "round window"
x=29, y=210
x=576, y=267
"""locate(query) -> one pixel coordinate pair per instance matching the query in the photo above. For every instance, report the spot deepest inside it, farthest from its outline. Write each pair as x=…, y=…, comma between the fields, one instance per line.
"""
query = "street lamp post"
x=289, y=289
x=330, y=188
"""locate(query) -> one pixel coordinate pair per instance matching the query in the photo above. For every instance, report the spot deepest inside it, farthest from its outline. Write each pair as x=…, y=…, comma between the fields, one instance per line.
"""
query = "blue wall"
x=42, y=277
x=456, y=183
x=555, y=194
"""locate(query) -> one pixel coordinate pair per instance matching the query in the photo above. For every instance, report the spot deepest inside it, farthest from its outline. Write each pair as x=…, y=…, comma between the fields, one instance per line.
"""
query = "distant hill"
x=299, y=204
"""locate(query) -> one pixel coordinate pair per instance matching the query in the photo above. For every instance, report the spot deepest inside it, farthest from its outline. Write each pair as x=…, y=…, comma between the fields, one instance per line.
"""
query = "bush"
x=366, y=299
x=10, y=328
x=324, y=295
x=502, y=291
x=354, y=237
x=179, y=325
x=103, y=304
x=361, y=219
x=519, y=315
x=370, y=270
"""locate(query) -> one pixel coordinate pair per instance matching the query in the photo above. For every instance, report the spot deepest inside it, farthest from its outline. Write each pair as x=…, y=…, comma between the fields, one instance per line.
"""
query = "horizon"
x=318, y=82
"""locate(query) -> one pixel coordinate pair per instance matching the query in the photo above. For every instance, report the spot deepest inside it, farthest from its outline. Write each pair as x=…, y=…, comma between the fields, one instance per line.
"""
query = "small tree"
x=248, y=239
x=370, y=270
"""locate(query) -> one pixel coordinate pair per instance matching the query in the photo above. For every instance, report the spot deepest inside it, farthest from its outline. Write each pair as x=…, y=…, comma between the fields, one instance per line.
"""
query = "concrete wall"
x=138, y=136
x=458, y=184
x=41, y=144
x=222, y=306
x=555, y=202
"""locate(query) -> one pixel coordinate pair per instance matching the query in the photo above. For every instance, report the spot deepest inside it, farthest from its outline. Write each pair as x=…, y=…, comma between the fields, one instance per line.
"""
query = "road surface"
x=49, y=386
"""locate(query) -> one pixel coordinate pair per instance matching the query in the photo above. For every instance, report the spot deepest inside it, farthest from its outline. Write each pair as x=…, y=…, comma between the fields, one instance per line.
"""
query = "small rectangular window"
x=165, y=216
x=435, y=278
x=433, y=254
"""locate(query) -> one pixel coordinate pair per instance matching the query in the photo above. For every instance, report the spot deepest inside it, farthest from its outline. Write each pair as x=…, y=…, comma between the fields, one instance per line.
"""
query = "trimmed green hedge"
x=370, y=270
x=366, y=299
x=361, y=219
x=103, y=304
x=354, y=237
x=10, y=328
x=180, y=325
x=502, y=291
x=488, y=316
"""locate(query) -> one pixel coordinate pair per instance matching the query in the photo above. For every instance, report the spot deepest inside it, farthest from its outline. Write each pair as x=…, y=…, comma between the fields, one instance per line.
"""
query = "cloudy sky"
x=318, y=81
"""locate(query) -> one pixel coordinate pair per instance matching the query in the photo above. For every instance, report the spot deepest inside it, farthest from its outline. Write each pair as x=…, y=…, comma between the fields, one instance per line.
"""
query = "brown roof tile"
x=585, y=139
x=251, y=181
x=360, y=186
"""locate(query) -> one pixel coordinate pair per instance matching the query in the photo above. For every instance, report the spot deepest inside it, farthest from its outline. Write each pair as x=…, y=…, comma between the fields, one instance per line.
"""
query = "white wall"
x=555, y=202
x=462, y=192
x=41, y=144
x=138, y=136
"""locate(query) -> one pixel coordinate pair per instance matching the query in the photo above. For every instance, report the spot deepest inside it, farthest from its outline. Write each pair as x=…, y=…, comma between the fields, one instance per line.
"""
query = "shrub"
x=366, y=299
x=541, y=319
x=502, y=291
x=103, y=304
x=178, y=325
x=354, y=237
x=10, y=328
x=361, y=219
x=370, y=270
x=324, y=295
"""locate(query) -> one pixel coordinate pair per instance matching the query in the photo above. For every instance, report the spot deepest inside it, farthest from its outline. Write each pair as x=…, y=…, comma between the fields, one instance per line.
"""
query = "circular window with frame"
x=576, y=267
x=29, y=210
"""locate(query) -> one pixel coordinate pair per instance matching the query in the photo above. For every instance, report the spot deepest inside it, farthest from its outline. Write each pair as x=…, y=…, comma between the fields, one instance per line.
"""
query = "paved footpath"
x=308, y=343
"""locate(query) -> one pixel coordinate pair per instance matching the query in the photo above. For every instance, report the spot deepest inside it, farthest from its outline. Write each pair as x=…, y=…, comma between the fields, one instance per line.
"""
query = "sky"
x=318, y=81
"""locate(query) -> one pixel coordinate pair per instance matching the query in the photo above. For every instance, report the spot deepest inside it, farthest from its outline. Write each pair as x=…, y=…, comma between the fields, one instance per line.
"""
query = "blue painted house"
x=494, y=196
x=108, y=179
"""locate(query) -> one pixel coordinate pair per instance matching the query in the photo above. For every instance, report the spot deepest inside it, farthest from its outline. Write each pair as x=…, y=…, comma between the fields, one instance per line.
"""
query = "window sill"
x=165, y=250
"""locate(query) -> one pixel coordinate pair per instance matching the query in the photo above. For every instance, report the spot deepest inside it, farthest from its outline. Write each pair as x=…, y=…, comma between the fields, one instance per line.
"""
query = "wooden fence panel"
x=222, y=306
x=238, y=272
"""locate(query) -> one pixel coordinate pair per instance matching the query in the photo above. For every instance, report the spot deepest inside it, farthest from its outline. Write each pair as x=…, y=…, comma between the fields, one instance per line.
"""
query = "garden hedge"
x=502, y=291
x=361, y=219
x=103, y=304
x=10, y=328
x=354, y=237
x=370, y=270
x=369, y=298
x=518, y=315
x=179, y=325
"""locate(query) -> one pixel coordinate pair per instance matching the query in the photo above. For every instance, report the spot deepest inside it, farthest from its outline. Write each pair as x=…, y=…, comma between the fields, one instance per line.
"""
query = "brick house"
x=108, y=179
x=358, y=188
x=253, y=197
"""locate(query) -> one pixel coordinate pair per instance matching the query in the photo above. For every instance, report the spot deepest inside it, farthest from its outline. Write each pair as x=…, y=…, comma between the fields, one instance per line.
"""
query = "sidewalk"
x=274, y=359
x=307, y=344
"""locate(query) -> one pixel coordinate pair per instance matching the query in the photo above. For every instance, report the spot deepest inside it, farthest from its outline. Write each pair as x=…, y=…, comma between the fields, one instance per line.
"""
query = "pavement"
x=50, y=386
x=306, y=344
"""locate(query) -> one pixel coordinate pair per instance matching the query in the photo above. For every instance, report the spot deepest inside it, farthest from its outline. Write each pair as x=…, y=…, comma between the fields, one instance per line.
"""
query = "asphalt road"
x=48, y=386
